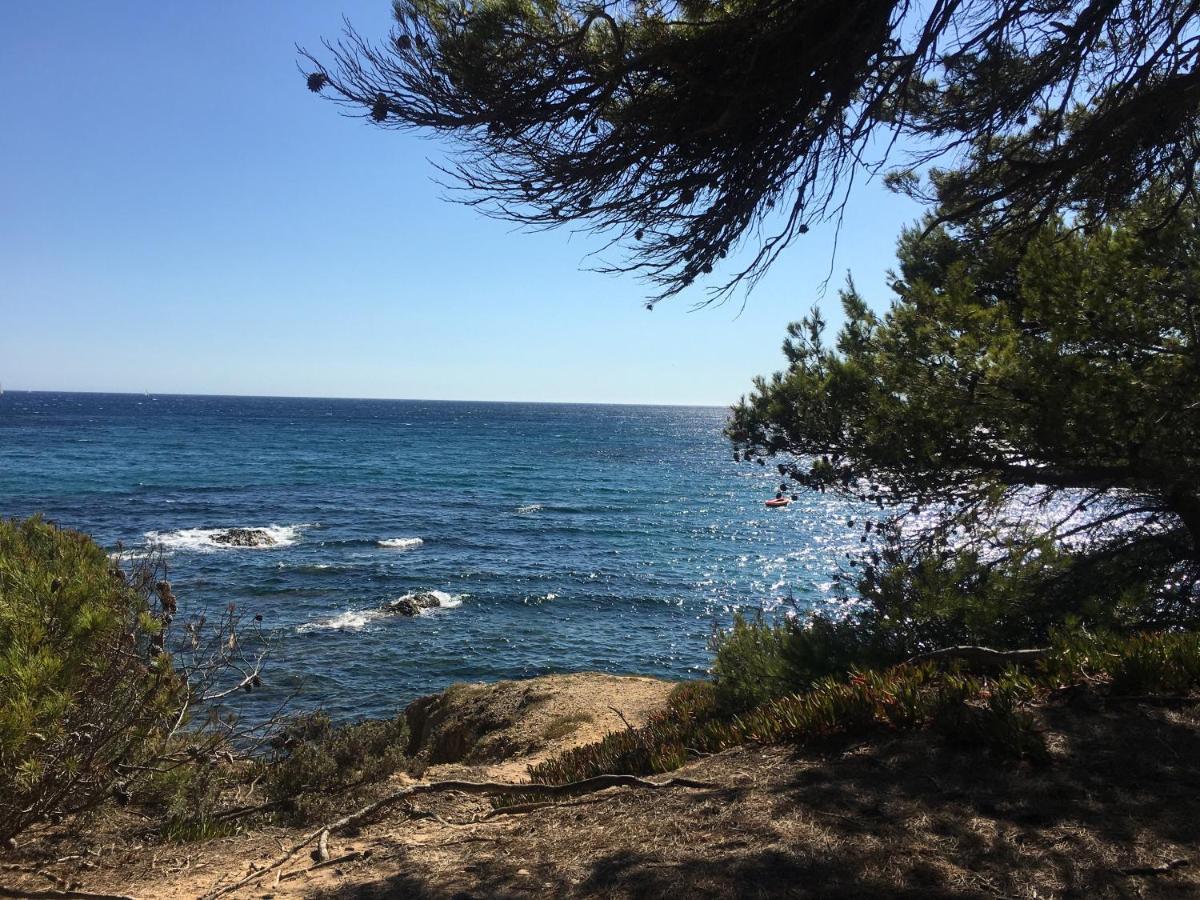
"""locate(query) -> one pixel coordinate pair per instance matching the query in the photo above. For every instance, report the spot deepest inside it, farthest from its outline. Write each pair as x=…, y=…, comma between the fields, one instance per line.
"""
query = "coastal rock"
x=509, y=725
x=412, y=604
x=243, y=537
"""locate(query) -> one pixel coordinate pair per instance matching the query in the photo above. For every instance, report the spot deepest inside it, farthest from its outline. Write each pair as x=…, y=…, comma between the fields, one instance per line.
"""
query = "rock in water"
x=243, y=537
x=412, y=604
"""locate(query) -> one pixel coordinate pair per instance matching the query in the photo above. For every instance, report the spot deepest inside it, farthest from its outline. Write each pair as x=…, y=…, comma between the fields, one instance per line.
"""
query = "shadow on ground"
x=905, y=817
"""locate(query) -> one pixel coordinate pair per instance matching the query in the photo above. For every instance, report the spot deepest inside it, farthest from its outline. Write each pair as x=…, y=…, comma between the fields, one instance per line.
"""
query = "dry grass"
x=906, y=816
x=909, y=817
x=561, y=726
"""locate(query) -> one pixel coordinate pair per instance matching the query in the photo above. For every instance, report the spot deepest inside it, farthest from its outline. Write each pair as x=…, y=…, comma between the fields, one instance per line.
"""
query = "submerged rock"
x=412, y=604
x=243, y=537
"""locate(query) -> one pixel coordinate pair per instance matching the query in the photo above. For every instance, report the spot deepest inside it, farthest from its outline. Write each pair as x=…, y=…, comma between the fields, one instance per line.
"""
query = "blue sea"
x=561, y=537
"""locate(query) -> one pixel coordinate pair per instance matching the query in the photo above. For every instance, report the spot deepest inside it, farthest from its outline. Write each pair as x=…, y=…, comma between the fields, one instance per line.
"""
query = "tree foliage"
x=83, y=696
x=100, y=696
x=678, y=129
x=1026, y=417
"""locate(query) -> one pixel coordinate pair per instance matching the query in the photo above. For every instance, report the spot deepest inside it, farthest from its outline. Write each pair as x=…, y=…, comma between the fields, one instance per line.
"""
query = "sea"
x=559, y=538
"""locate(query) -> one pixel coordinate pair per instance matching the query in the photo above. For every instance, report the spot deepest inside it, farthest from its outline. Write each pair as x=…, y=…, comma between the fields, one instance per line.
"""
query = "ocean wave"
x=350, y=620
x=358, y=619
x=202, y=539
x=315, y=568
x=401, y=543
x=529, y=508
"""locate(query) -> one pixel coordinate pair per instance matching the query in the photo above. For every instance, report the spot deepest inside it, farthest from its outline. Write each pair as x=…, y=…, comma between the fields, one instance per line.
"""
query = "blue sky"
x=181, y=215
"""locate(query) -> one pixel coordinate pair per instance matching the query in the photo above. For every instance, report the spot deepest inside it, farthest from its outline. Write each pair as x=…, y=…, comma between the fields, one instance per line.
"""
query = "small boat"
x=778, y=502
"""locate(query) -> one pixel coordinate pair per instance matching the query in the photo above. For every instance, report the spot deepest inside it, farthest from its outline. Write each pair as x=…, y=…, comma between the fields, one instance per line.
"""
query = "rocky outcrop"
x=509, y=725
x=412, y=604
x=243, y=537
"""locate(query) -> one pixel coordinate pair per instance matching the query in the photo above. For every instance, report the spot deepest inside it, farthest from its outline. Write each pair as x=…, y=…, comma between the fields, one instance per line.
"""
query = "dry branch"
x=321, y=854
x=1169, y=866
x=243, y=811
x=61, y=895
x=337, y=860
x=478, y=788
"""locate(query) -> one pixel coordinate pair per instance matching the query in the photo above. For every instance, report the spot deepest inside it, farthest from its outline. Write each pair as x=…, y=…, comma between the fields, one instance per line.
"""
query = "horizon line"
x=15, y=390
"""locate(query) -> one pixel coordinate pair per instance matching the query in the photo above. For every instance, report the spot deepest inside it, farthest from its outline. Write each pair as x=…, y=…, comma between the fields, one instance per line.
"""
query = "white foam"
x=350, y=620
x=201, y=539
x=401, y=543
x=358, y=619
x=445, y=600
x=530, y=508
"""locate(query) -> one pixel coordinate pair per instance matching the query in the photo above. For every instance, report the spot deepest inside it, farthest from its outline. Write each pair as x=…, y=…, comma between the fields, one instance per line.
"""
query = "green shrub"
x=750, y=666
x=315, y=760
x=191, y=798
x=1131, y=664
x=967, y=710
x=85, y=698
x=757, y=660
x=991, y=713
x=693, y=699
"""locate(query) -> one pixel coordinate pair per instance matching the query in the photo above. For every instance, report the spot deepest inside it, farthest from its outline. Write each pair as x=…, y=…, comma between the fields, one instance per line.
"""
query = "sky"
x=179, y=214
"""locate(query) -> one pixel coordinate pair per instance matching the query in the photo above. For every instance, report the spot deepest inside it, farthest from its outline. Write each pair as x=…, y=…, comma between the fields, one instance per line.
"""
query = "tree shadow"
x=905, y=817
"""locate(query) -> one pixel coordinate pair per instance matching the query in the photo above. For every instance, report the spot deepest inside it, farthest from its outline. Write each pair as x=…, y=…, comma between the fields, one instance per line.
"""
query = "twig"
x=621, y=716
x=59, y=895
x=484, y=788
x=240, y=811
x=1169, y=866
x=346, y=857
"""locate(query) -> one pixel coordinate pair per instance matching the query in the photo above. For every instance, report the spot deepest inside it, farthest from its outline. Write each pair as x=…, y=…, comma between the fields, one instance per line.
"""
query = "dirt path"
x=1114, y=814
x=491, y=732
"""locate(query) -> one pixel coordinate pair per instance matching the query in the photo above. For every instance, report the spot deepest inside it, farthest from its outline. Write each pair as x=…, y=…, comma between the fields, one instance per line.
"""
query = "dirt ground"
x=1116, y=813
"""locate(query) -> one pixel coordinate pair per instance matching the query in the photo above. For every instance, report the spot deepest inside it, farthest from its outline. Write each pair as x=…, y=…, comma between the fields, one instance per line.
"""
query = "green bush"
x=315, y=760
x=968, y=709
x=757, y=660
x=982, y=712
x=750, y=666
x=85, y=698
x=1131, y=664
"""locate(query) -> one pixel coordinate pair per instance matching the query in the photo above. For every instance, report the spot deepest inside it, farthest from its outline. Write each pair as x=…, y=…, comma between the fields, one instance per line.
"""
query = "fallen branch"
x=1169, y=866
x=982, y=655
x=321, y=854
x=521, y=808
x=241, y=811
x=59, y=895
x=479, y=788
x=345, y=857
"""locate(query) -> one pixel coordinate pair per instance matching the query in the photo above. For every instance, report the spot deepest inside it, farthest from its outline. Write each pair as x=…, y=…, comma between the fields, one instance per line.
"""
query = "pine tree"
x=1027, y=411
x=678, y=129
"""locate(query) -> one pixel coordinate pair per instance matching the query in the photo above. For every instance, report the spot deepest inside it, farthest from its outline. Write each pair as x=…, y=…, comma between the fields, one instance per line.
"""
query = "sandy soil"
x=904, y=816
